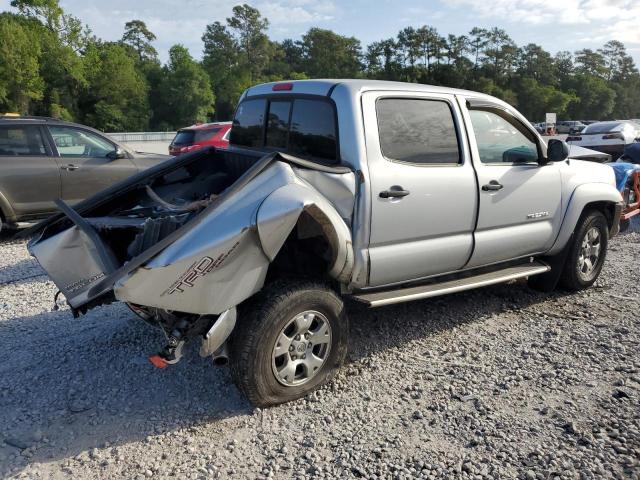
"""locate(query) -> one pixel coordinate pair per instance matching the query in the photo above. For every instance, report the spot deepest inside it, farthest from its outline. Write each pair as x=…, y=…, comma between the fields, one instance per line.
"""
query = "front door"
x=520, y=200
x=423, y=188
x=86, y=162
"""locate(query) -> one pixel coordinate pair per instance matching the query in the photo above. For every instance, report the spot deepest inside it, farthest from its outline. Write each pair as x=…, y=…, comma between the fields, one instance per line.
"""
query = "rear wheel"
x=289, y=340
x=587, y=252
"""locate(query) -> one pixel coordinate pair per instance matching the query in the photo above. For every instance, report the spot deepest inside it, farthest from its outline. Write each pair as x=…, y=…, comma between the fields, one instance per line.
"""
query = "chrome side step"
x=389, y=297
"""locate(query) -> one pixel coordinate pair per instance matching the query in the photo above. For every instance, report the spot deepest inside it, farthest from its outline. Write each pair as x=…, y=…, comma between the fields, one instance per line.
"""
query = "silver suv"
x=377, y=192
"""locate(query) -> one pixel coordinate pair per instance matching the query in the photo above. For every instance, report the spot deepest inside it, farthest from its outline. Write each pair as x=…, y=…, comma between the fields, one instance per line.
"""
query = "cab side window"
x=17, y=140
x=74, y=142
x=500, y=141
x=417, y=131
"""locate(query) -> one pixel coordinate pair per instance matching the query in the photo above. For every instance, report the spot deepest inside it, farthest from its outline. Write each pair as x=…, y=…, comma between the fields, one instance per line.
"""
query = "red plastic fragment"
x=158, y=362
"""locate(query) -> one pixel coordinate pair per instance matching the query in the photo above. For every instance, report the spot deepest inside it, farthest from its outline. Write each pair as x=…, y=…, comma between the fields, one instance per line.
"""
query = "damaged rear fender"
x=280, y=212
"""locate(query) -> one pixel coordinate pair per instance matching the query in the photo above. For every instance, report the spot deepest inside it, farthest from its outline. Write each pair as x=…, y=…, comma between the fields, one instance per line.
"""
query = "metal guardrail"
x=142, y=136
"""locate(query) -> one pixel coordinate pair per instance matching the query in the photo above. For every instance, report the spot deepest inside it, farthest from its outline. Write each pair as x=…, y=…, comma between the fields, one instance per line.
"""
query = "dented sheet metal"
x=208, y=262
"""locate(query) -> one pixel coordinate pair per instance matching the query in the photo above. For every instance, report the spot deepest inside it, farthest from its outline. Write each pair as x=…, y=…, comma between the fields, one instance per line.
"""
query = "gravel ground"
x=501, y=382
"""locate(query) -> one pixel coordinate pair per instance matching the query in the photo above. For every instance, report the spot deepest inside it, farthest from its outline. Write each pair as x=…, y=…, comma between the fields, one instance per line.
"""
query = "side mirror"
x=557, y=150
x=116, y=154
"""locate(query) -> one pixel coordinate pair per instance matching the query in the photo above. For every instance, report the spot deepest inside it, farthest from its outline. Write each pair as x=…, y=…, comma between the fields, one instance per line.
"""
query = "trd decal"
x=199, y=269
x=80, y=284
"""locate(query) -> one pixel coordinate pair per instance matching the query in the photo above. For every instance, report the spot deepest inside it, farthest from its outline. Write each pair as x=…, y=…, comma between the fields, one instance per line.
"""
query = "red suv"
x=199, y=136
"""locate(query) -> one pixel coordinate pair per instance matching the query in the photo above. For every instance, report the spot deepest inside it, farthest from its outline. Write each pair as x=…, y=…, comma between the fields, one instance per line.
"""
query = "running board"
x=389, y=297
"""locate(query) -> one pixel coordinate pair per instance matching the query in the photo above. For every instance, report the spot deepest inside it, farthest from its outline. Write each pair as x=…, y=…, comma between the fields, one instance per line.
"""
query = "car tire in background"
x=587, y=252
x=290, y=339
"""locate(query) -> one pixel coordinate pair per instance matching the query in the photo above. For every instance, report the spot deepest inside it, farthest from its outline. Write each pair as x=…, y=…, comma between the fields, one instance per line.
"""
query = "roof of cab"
x=325, y=86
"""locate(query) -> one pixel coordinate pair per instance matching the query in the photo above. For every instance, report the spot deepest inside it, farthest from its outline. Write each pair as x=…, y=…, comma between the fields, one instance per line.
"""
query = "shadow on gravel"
x=68, y=385
x=373, y=330
x=20, y=272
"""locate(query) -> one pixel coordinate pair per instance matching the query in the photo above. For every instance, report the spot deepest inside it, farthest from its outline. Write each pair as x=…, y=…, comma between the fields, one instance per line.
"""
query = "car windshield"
x=604, y=127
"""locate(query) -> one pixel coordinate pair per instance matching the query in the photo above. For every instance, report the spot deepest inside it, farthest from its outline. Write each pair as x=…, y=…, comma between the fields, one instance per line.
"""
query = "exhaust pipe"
x=221, y=356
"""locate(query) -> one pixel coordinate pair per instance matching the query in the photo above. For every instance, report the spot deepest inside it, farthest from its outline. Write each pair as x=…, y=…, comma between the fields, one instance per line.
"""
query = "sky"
x=554, y=24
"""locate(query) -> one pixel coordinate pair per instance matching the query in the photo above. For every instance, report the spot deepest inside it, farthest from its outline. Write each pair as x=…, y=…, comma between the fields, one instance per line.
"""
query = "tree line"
x=51, y=64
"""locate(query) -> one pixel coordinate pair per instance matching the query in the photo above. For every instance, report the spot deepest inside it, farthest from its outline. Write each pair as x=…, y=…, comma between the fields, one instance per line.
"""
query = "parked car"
x=569, y=127
x=376, y=192
x=200, y=136
x=42, y=159
x=608, y=137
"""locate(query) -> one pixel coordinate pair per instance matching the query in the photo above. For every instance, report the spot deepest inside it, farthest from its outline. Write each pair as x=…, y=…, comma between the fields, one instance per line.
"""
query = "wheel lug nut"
x=297, y=337
x=304, y=357
x=291, y=349
x=293, y=357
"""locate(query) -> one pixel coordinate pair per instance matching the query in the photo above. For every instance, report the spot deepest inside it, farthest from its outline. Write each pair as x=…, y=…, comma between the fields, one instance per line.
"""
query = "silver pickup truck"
x=376, y=192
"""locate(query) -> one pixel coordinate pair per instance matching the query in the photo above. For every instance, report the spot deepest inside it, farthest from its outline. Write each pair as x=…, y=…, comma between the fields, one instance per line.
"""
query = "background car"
x=569, y=126
x=42, y=159
x=200, y=136
x=608, y=137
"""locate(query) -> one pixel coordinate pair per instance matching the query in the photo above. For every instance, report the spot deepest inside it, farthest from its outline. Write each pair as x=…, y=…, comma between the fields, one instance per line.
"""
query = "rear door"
x=29, y=175
x=86, y=163
x=423, y=187
x=520, y=201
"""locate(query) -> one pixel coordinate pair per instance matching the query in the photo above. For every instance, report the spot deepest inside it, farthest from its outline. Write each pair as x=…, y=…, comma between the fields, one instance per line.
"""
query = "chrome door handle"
x=492, y=186
x=394, y=192
x=70, y=167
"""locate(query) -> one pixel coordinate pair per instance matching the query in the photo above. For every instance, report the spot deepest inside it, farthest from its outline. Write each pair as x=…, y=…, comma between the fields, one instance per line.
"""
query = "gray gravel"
x=501, y=382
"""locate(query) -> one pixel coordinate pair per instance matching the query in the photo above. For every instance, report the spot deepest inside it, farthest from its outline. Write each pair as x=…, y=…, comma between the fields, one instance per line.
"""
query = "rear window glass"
x=184, y=137
x=278, y=124
x=189, y=137
x=303, y=127
x=313, y=130
x=18, y=140
x=417, y=131
x=248, y=123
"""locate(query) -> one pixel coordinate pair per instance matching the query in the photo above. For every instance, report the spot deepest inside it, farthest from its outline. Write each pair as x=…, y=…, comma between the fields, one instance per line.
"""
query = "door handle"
x=492, y=186
x=70, y=167
x=394, y=192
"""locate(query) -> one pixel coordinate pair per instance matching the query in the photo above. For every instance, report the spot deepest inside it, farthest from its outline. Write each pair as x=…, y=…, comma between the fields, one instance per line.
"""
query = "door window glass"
x=417, y=131
x=500, y=141
x=21, y=141
x=74, y=142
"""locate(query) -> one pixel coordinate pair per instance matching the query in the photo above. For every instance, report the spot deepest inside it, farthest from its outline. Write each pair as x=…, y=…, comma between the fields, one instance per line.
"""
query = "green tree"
x=594, y=98
x=250, y=28
x=20, y=80
x=139, y=37
x=185, y=90
x=115, y=98
x=329, y=55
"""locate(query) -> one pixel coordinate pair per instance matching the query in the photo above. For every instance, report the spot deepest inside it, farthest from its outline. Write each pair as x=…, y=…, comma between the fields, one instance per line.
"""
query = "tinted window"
x=313, y=130
x=17, y=140
x=248, y=123
x=417, y=131
x=74, y=142
x=500, y=141
x=278, y=124
x=184, y=137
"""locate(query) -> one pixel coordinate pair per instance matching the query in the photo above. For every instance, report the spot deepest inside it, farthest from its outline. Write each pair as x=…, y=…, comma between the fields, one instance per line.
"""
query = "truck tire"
x=290, y=339
x=587, y=252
